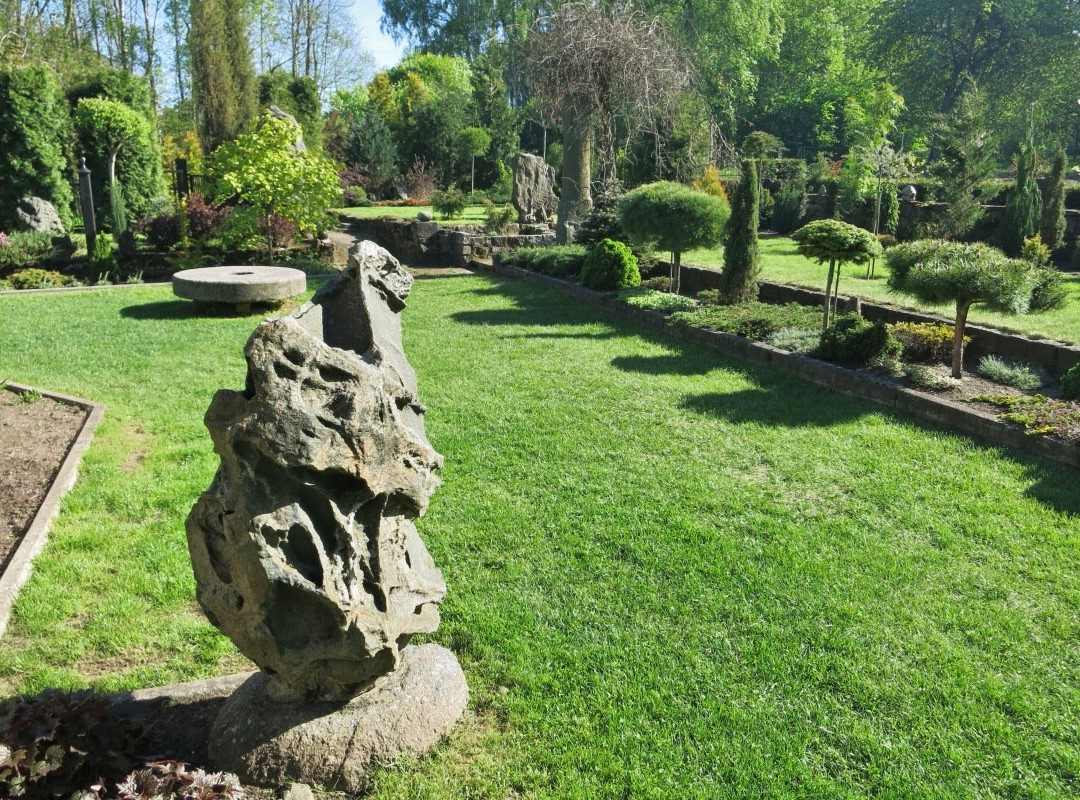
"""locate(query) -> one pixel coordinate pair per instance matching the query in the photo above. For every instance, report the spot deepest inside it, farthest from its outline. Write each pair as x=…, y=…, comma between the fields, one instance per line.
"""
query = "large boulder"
x=36, y=214
x=304, y=547
x=533, y=193
x=299, y=146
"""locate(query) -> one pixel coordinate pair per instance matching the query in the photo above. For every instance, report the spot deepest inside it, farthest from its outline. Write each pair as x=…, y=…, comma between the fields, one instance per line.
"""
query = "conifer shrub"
x=803, y=341
x=854, y=340
x=1053, y=212
x=562, y=261
x=602, y=221
x=449, y=202
x=752, y=320
x=35, y=278
x=610, y=265
x=1070, y=382
x=789, y=207
x=742, y=264
x=23, y=248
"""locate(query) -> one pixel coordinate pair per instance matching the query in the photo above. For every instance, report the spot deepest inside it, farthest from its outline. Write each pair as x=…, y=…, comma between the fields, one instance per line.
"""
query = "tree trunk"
x=472, y=175
x=828, y=296
x=958, y=340
x=575, y=198
x=836, y=290
x=676, y=271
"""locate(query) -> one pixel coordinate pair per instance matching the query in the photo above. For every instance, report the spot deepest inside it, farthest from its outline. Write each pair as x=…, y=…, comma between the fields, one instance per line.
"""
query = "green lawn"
x=782, y=264
x=471, y=214
x=671, y=575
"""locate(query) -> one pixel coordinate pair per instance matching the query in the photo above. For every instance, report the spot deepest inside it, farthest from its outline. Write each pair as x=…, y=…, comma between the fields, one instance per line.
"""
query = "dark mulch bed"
x=35, y=434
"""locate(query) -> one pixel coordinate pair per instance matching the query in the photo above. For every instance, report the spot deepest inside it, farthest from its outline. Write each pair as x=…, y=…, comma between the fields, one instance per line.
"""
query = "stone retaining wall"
x=430, y=244
x=1055, y=357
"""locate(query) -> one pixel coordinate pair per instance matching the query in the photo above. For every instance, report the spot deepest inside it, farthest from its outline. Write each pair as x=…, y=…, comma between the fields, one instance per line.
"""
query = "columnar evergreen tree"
x=223, y=80
x=1053, y=217
x=965, y=158
x=1023, y=209
x=738, y=281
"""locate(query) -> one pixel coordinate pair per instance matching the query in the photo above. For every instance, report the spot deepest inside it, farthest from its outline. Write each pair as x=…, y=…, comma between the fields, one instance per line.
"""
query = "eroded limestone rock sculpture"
x=304, y=547
x=533, y=192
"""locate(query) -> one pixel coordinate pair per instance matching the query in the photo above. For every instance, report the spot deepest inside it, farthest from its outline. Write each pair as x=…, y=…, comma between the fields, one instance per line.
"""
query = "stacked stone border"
x=863, y=385
x=19, y=565
x=419, y=244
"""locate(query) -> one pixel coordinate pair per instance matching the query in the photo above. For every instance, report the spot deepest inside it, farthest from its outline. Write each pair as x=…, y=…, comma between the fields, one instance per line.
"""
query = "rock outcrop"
x=533, y=193
x=304, y=547
x=36, y=214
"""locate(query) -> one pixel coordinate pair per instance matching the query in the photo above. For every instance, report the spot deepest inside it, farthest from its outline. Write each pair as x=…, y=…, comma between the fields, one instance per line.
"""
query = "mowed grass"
x=671, y=575
x=471, y=214
x=781, y=263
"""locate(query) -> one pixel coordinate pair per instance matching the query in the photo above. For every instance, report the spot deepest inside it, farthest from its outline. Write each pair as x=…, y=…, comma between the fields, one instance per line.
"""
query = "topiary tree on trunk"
x=738, y=281
x=832, y=242
x=964, y=274
x=674, y=217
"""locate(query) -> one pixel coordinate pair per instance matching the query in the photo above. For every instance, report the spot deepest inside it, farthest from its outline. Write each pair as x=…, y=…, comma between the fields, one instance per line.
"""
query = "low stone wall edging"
x=861, y=385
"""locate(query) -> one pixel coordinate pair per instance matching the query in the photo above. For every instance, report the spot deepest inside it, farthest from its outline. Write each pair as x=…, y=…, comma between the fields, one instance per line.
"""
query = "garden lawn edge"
x=938, y=410
x=20, y=564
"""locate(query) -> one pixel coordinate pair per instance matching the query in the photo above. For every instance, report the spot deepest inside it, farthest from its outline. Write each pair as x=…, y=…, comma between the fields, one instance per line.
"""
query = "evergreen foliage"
x=674, y=217
x=742, y=265
x=119, y=143
x=965, y=158
x=602, y=221
x=35, y=132
x=1023, y=209
x=964, y=274
x=610, y=265
x=370, y=145
x=1053, y=216
x=298, y=96
x=223, y=79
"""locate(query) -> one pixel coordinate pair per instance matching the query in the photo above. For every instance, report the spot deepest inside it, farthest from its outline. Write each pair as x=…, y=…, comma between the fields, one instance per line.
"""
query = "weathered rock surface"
x=304, y=548
x=533, y=193
x=36, y=214
x=299, y=145
x=406, y=712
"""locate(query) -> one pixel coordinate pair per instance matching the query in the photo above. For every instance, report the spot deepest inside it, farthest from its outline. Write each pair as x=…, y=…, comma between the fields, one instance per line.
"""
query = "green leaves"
x=264, y=170
x=673, y=216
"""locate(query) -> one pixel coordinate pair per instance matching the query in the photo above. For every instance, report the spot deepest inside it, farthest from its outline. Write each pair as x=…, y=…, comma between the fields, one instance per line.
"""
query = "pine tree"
x=223, y=80
x=1023, y=209
x=965, y=157
x=738, y=281
x=1053, y=217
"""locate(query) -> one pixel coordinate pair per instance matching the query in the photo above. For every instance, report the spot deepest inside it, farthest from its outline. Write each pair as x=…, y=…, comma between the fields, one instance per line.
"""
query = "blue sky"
x=382, y=48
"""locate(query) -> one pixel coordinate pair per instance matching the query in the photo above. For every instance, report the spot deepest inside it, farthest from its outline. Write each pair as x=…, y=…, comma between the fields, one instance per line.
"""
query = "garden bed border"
x=853, y=383
x=19, y=566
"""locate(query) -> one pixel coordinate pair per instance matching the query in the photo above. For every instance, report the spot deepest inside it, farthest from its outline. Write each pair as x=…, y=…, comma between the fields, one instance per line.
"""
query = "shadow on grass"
x=773, y=407
x=1053, y=486
x=188, y=309
x=679, y=364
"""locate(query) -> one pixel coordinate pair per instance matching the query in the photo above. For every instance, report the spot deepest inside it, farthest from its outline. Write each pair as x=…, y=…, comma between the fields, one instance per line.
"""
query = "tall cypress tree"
x=738, y=281
x=223, y=79
x=1053, y=218
x=1023, y=209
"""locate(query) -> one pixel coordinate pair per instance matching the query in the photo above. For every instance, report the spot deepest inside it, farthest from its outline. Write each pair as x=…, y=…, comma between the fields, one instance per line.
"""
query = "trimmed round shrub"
x=610, y=265
x=449, y=202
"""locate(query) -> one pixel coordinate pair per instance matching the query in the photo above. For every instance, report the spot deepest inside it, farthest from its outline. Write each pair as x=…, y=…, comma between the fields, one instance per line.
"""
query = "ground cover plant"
x=659, y=587
x=781, y=263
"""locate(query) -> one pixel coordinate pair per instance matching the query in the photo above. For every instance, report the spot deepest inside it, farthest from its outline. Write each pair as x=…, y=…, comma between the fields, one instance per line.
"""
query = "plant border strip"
x=938, y=410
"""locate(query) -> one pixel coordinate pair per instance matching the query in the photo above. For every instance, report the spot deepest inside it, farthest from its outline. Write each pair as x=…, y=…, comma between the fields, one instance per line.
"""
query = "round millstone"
x=241, y=286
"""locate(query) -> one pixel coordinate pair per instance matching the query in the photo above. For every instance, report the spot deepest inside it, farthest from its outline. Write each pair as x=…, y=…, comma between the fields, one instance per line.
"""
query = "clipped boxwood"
x=610, y=265
x=854, y=340
x=562, y=261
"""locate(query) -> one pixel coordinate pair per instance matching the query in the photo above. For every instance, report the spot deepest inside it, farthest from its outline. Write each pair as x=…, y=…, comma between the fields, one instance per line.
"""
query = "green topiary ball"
x=610, y=265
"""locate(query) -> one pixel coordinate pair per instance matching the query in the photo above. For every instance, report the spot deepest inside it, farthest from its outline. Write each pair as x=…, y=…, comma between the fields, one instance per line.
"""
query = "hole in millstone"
x=244, y=272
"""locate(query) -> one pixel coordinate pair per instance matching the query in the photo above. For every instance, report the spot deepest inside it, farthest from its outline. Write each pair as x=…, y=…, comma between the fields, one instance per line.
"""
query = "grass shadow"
x=772, y=406
x=188, y=309
x=1053, y=486
x=678, y=364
